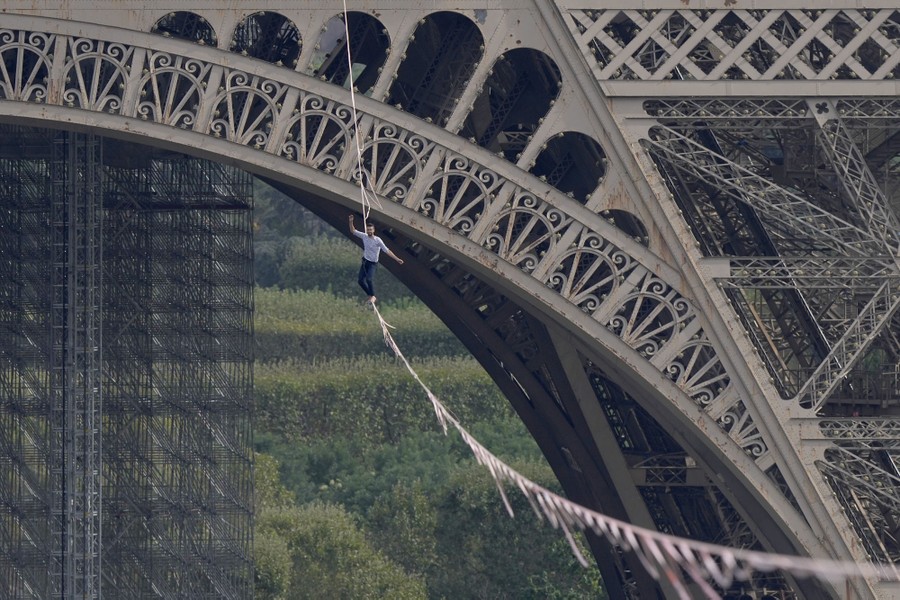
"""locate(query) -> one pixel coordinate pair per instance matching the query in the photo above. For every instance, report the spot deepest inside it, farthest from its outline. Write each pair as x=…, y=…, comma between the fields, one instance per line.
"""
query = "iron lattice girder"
x=673, y=470
x=795, y=215
x=729, y=113
x=762, y=44
x=861, y=463
x=242, y=135
x=860, y=187
x=853, y=468
x=790, y=272
x=778, y=112
x=862, y=430
x=879, y=309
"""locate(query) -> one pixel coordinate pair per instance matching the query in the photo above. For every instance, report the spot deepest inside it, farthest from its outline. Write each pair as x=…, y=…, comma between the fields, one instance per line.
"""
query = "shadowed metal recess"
x=125, y=374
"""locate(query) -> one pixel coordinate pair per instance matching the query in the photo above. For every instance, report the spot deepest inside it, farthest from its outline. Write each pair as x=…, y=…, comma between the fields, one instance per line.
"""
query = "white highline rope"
x=366, y=199
x=665, y=557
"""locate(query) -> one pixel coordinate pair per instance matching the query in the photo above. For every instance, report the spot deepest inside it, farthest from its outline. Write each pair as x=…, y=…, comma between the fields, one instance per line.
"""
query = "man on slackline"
x=372, y=247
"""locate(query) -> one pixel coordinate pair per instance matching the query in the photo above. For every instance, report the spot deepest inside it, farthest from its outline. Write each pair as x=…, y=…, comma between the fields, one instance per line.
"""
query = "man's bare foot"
x=371, y=300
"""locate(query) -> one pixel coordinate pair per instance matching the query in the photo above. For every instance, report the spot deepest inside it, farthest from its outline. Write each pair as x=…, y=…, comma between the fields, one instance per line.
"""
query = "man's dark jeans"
x=366, y=278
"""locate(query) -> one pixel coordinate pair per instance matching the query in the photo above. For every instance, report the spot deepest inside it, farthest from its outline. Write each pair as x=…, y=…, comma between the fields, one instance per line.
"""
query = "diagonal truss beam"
x=860, y=187
x=843, y=356
x=771, y=201
x=861, y=190
x=862, y=474
x=859, y=431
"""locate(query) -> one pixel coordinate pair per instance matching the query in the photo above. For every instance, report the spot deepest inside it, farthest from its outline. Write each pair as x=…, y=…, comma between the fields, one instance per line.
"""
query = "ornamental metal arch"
x=601, y=292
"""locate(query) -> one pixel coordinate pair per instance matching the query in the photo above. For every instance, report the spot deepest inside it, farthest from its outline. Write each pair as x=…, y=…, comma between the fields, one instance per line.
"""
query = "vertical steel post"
x=75, y=366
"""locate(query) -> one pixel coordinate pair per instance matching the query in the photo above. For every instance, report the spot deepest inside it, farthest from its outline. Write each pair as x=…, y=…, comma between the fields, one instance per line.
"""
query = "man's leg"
x=362, y=278
x=370, y=279
x=366, y=278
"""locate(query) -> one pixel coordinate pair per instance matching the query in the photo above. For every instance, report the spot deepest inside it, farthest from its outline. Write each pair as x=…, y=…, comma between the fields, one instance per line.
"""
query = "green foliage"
x=569, y=580
x=277, y=218
x=269, y=491
x=319, y=544
x=273, y=565
x=271, y=557
x=403, y=522
x=276, y=221
x=499, y=556
x=350, y=472
x=310, y=325
x=331, y=557
x=505, y=438
x=436, y=513
x=372, y=399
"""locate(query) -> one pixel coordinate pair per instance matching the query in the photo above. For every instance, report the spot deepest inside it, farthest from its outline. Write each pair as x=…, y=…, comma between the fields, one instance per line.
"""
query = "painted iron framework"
x=125, y=373
x=686, y=208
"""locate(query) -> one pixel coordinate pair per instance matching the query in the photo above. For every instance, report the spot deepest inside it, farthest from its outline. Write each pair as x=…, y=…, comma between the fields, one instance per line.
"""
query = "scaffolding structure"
x=125, y=372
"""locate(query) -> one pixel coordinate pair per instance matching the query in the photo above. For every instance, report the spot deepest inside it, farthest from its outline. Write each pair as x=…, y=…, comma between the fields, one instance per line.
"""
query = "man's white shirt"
x=372, y=246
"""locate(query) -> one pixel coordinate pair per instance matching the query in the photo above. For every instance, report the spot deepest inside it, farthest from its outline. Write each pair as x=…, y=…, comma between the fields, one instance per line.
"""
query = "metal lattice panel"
x=762, y=44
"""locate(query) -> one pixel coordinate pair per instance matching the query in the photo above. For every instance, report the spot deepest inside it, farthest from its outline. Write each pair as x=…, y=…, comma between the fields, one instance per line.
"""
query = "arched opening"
x=573, y=163
x=369, y=43
x=519, y=91
x=186, y=25
x=438, y=62
x=268, y=36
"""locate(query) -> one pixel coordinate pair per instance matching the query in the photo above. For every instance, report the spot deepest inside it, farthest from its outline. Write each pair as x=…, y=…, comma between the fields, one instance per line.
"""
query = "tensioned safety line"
x=665, y=557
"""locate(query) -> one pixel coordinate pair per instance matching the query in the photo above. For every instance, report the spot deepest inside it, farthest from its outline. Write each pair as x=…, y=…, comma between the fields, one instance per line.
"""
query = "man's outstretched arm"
x=394, y=256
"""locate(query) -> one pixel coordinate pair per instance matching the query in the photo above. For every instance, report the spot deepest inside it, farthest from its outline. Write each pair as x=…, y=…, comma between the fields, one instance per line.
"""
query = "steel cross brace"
x=844, y=354
x=771, y=201
x=866, y=476
x=862, y=191
x=860, y=430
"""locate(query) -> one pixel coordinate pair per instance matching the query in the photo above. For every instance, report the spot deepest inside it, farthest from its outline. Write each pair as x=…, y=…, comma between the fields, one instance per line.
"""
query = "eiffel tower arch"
x=669, y=234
